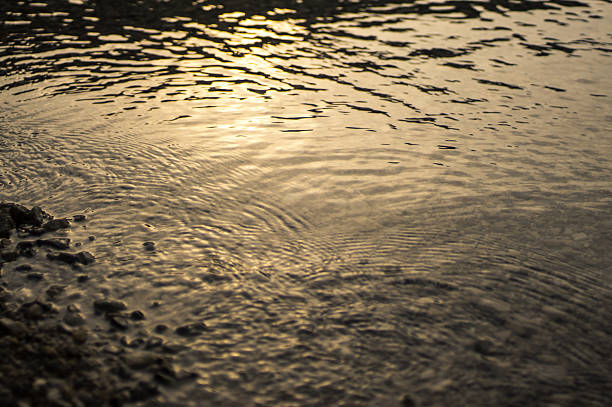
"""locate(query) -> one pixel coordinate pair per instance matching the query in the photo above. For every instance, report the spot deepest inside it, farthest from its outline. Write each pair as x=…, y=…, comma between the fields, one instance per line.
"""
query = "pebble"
x=150, y=246
x=55, y=290
x=15, y=328
x=137, y=316
x=25, y=248
x=78, y=218
x=485, y=347
x=6, y=224
x=140, y=360
x=56, y=224
x=109, y=305
x=79, y=335
x=33, y=310
x=9, y=256
x=60, y=243
x=64, y=257
x=74, y=319
x=194, y=329
x=70, y=258
x=408, y=401
x=35, y=276
x=118, y=320
x=85, y=258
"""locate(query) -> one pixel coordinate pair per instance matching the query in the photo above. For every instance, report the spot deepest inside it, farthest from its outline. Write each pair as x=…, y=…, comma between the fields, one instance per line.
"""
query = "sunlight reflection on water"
x=361, y=200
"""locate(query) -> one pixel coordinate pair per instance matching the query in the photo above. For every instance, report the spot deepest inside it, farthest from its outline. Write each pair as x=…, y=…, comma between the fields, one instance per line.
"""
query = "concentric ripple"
x=366, y=202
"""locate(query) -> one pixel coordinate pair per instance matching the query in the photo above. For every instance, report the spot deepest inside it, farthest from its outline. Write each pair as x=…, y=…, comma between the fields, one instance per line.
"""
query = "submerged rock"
x=194, y=329
x=60, y=243
x=137, y=315
x=74, y=319
x=6, y=224
x=85, y=258
x=118, y=320
x=56, y=224
x=25, y=248
x=18, y=215
x=35, y=276
x=109, y=305
x=78, y=218
x=71, y=258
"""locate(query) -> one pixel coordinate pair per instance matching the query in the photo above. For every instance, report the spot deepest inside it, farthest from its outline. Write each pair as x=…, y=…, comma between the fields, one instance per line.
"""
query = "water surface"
x=362, y=200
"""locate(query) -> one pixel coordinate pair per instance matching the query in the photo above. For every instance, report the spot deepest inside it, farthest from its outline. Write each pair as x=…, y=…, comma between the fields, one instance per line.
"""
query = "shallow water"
x=361, y=200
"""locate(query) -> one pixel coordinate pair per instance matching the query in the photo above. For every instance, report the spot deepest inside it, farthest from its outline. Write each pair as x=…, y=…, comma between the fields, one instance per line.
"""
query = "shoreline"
x=50, y=357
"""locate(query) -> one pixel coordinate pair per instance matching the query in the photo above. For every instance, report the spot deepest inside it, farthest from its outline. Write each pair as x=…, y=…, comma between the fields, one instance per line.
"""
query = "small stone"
x=37, y=216
x=150, y=246
x=25, y=248
x=15, y=328
x=194, y=329
x=79, y=335
x=37, y=231
x=56, y=224
x=60, y=243
x=408, y=401
x=74, y=319
x=64, y=257
x=35, y=276
x=23, y=267
x=26, y=244
x=91, y=238
x=33, y=310
x=78, y=218
x=109, y=305
x=137, y=316
x=118, y=321
x=20, y=214
x=140, y=360
x=85, y=258
x=485, y=347
x=6, y=223
x=55, y=290
x=160, y=328
x=9, y=256
x=82, y=278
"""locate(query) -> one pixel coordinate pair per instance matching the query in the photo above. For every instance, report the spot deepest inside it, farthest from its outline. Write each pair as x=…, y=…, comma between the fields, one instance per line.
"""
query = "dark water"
x=362, y=200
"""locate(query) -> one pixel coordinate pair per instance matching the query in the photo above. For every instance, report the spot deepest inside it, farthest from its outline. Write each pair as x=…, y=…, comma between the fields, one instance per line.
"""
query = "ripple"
x=364, y=202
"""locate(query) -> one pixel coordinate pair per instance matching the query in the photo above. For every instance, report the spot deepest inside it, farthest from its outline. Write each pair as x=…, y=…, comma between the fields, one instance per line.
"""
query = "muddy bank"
x=49, y=355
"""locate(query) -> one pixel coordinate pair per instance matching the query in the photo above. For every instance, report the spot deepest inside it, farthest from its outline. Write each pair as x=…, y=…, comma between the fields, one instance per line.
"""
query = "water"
x=362, y=200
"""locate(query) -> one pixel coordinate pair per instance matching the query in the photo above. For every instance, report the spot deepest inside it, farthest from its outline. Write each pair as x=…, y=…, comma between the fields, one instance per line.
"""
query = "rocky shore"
x=49, y=354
